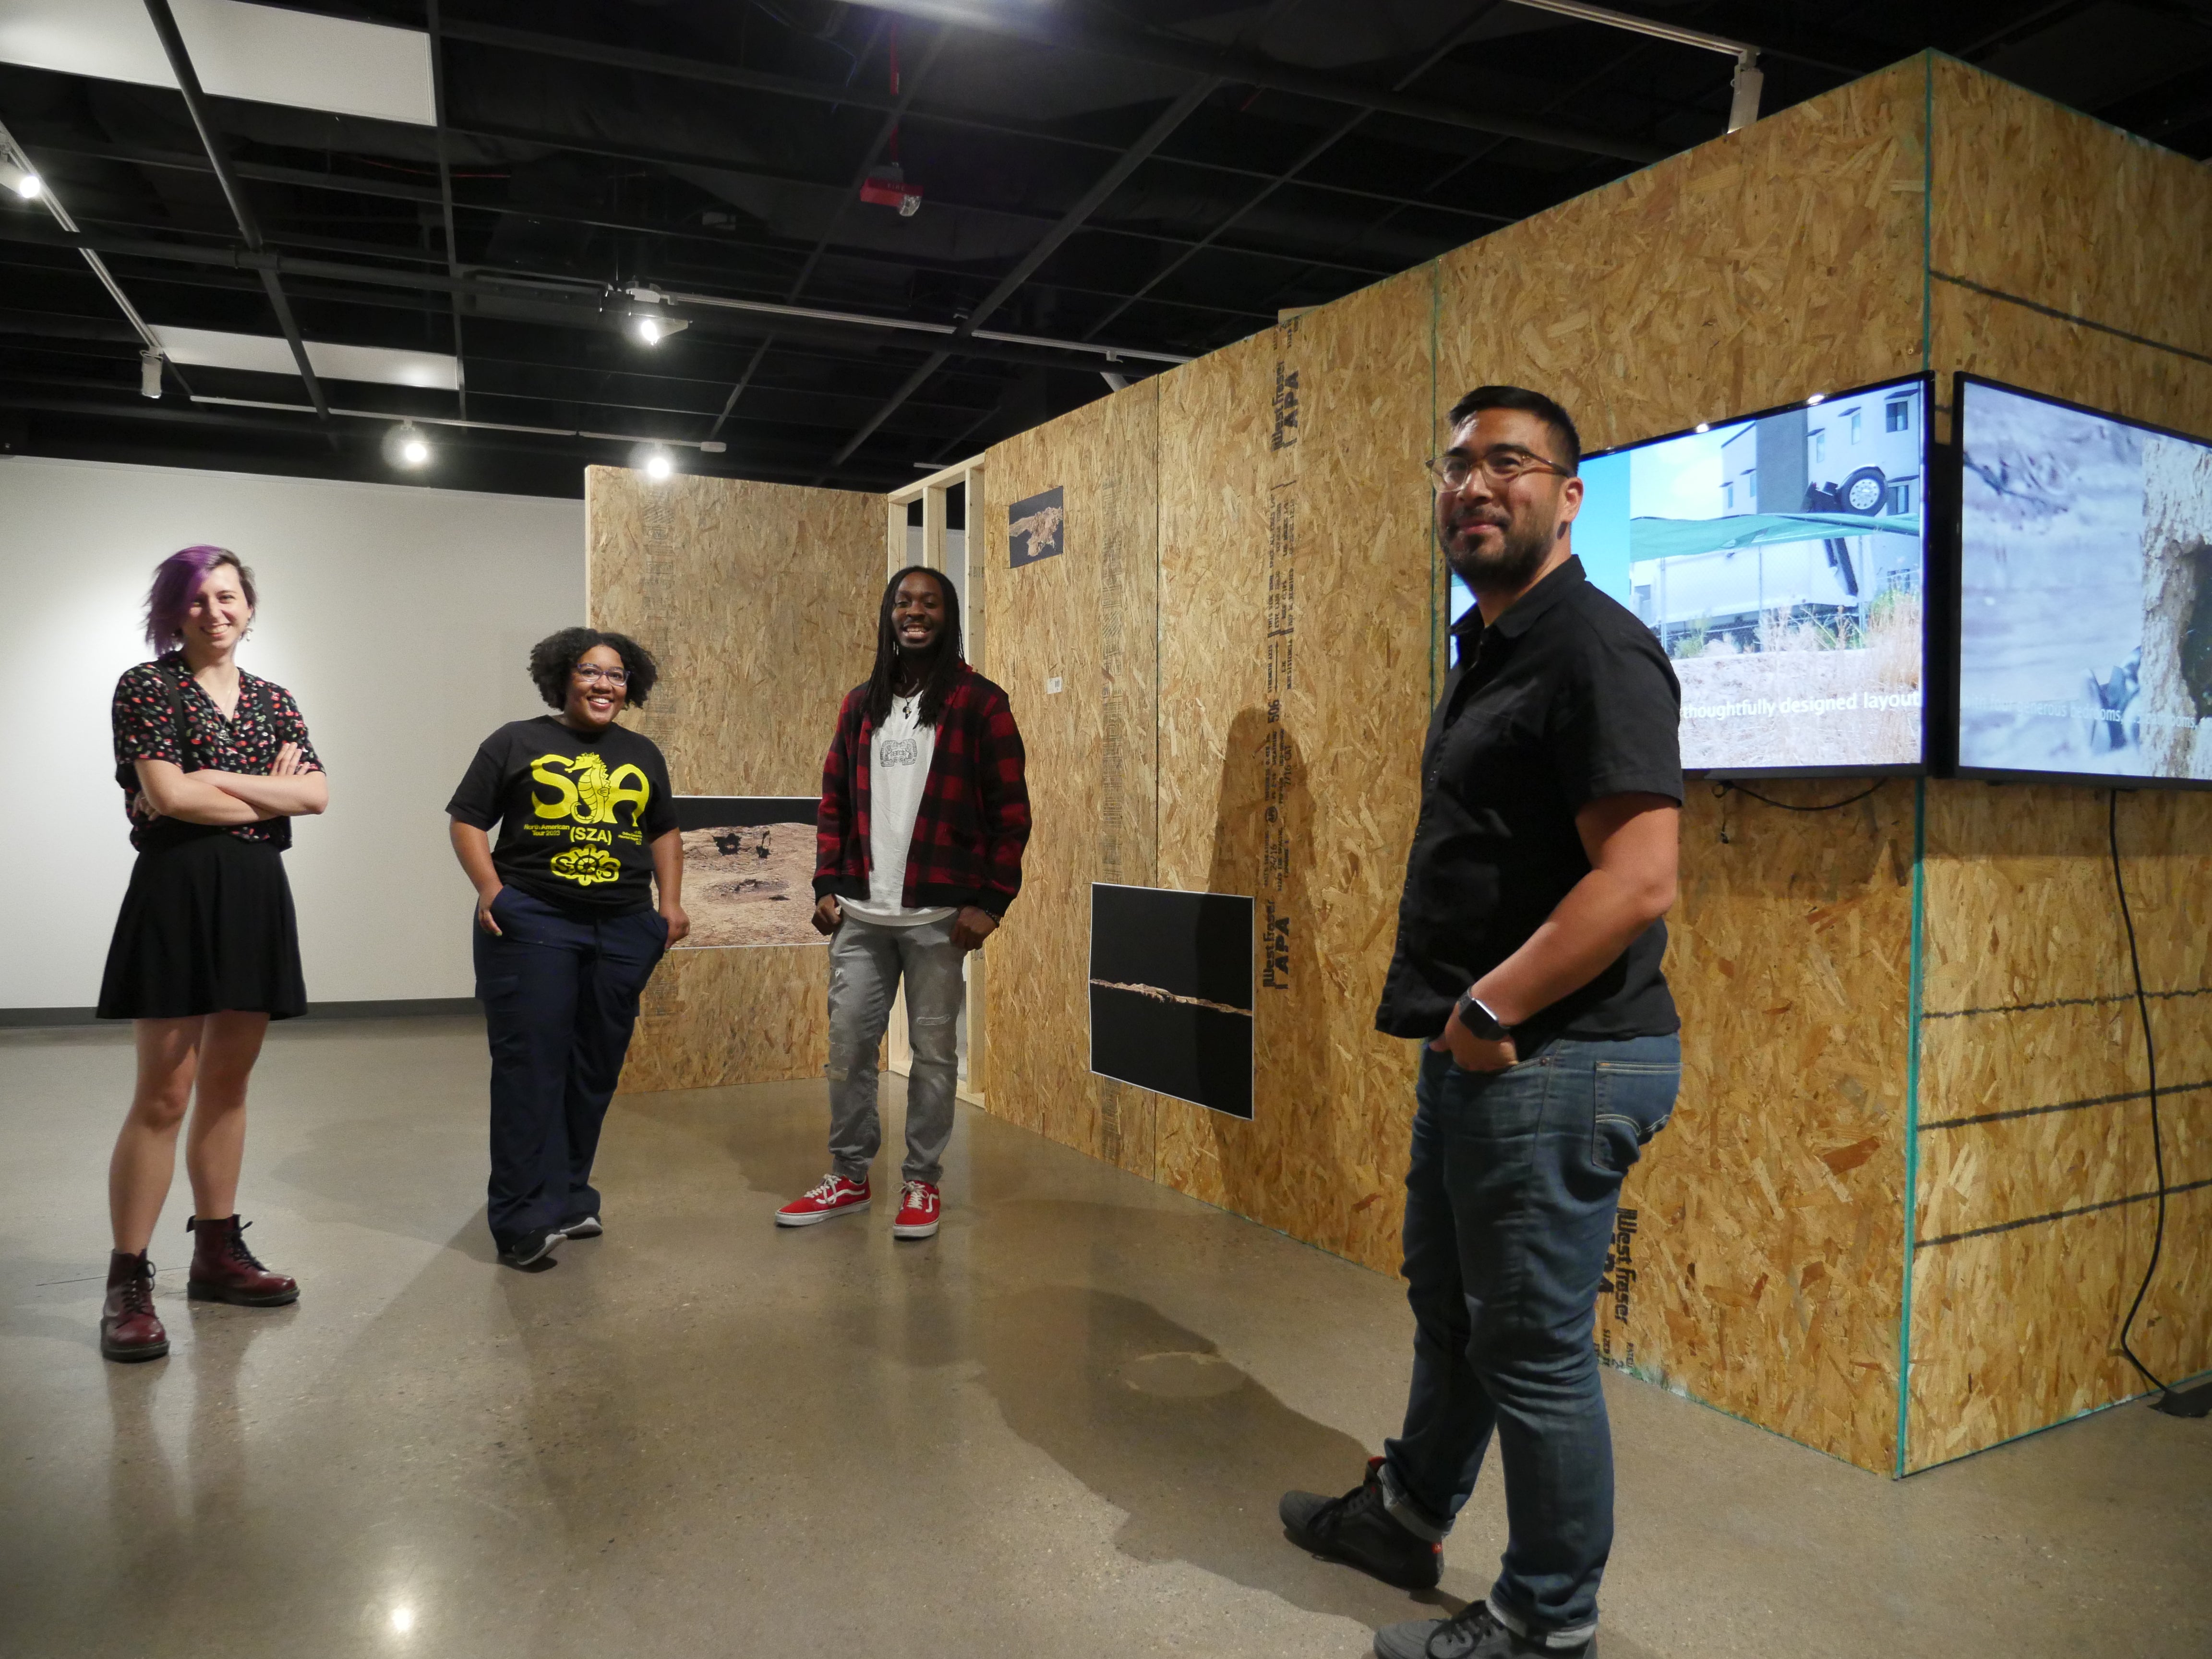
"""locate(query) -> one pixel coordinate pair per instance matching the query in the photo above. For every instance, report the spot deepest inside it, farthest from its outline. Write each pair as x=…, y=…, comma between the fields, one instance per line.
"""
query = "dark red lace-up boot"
x=129, y=1328
x=224, y=1270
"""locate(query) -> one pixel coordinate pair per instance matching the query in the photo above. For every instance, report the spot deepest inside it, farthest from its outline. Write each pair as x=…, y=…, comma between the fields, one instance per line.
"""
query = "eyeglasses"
x=1499, y=466
x=610, y=676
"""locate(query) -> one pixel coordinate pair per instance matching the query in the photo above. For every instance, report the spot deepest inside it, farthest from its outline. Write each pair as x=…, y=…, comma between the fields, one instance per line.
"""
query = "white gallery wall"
x=400, y=617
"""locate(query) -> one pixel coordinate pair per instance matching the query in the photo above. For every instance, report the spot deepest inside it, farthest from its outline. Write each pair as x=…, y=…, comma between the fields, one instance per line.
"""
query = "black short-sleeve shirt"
x=161, y=713
x=1567, y=700
x=577, y=815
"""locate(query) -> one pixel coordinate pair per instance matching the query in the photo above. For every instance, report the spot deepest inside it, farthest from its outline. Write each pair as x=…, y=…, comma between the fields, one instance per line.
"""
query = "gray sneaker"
x=1474, y=1632
x=583, y=1227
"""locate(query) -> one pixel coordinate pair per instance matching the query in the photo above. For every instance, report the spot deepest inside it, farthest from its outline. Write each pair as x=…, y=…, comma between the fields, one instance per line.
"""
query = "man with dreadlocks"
x=919, y=845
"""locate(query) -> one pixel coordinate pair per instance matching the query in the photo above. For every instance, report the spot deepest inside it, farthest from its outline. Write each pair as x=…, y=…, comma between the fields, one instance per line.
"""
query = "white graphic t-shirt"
x=898, y=767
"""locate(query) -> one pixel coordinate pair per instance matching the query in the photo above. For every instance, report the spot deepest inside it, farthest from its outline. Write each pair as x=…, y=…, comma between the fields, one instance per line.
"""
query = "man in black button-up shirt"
x=1528, y=958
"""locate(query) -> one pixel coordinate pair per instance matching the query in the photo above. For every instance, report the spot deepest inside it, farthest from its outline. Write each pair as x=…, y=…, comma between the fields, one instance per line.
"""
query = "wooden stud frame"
x=964, y=567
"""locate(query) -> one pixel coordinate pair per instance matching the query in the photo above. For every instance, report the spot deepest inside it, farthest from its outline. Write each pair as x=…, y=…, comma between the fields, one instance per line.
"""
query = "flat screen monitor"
x=1780, y=558
x=2085, y=594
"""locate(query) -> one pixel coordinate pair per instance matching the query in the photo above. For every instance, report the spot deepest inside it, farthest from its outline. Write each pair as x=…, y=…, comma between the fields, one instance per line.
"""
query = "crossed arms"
x=166, y=790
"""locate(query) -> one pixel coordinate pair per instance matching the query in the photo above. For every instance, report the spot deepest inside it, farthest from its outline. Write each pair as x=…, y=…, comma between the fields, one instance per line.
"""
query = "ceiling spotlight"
x=653, y=329
x=24, y=182
x=150, y=373
x=411, y=447
x=659, y=467
x=403, y=1619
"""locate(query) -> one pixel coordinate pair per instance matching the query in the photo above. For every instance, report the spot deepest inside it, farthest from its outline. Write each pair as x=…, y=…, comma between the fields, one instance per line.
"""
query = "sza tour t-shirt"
x=577, y=815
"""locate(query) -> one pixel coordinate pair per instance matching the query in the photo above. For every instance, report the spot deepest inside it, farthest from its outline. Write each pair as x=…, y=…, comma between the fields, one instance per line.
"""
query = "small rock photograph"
x=748, y=870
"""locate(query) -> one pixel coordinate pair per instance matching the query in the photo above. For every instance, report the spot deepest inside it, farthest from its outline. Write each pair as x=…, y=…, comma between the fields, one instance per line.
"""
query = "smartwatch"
x=1480, y=1021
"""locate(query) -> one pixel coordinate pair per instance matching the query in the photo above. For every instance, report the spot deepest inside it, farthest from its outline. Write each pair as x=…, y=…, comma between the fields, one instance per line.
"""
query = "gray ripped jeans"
x=866, y=961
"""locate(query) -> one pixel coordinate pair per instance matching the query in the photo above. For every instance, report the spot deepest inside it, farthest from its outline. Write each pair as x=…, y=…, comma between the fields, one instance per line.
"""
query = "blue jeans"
x=1509, y=1211
x=560, y=998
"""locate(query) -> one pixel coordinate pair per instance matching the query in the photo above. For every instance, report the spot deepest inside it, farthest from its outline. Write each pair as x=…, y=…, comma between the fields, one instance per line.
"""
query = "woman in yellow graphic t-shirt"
x=568, y=927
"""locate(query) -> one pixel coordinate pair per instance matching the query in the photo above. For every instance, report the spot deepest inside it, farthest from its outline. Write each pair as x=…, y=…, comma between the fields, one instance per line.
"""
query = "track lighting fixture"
x=149, y=374
x=21, y=180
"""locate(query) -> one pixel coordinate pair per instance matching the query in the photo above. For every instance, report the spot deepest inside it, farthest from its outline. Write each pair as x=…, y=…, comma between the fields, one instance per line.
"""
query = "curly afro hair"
x=554, y=659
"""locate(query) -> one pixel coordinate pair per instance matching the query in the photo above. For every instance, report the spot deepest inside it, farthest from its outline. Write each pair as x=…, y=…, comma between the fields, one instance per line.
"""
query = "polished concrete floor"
x=1058, y=1428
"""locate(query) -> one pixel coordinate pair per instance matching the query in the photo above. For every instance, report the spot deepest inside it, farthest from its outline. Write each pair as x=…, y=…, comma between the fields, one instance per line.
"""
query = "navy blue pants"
x=560, y=998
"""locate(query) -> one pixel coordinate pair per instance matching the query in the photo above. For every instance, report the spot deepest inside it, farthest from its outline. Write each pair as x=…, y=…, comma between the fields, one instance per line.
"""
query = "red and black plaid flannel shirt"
x=975, y=817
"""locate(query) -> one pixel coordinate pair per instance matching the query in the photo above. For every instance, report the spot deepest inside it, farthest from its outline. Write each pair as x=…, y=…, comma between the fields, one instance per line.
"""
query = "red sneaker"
x=917, y=1211
x=835, y=1195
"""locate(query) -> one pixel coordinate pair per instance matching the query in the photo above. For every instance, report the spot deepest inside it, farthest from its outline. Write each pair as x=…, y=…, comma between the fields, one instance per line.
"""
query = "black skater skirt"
x=207, y=927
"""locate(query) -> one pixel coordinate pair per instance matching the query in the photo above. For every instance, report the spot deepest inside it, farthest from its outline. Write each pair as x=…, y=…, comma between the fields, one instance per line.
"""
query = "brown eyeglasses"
x=1501, y=464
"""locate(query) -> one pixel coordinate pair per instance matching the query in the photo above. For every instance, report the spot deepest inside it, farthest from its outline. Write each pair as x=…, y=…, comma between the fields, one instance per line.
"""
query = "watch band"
x=1480, y=1020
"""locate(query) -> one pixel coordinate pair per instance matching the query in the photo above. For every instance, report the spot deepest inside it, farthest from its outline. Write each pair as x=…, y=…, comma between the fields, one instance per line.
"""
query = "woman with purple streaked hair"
x=213, y=764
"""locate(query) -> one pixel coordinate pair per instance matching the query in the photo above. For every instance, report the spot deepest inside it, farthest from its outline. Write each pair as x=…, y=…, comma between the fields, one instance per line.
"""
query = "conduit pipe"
x=1743, y=107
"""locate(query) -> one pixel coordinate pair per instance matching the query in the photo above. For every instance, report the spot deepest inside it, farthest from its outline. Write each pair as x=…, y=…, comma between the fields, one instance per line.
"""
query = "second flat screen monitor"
x=1781, y=560
x=2085, y=603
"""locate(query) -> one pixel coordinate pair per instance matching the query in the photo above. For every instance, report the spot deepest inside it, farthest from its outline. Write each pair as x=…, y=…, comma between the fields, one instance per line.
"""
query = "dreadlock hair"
x=944, y=667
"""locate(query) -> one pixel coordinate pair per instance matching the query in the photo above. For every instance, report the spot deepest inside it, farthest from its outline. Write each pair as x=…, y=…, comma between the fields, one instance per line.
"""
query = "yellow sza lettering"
x=584, y=791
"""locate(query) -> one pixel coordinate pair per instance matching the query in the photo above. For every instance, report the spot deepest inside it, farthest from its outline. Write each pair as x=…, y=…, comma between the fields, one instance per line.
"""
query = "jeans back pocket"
x=1634, y=1099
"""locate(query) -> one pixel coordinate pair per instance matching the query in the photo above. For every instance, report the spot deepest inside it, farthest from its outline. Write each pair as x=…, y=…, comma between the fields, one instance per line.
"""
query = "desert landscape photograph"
x=748, y=870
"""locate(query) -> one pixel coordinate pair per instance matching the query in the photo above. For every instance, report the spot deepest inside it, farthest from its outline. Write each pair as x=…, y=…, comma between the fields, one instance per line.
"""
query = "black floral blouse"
x=155, y=699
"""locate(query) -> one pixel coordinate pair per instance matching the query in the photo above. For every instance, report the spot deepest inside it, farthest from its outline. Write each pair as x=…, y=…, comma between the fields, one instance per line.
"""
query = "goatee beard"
x=1520, y=553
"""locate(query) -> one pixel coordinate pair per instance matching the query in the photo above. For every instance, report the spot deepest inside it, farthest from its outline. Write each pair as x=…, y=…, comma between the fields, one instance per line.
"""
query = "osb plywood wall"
x=2055, y=239
x=758, y=601
x=1295, y=629
x=1087, y=619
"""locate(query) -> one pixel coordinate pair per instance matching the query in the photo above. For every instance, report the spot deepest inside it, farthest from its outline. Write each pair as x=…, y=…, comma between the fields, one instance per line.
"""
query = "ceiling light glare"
x=24, y=182
x=659, y=466
x=403, y=1619
x=1816, y=397
x=1705, y=426
x=651, y=330
x=409, y=447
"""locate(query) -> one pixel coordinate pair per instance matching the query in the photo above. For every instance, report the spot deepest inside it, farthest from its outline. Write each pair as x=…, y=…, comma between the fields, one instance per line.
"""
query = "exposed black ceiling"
x=1162, y=176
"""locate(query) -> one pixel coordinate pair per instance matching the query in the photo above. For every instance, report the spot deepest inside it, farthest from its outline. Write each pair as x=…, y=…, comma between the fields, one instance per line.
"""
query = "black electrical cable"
x=1721, y=790
x=2150, y=1059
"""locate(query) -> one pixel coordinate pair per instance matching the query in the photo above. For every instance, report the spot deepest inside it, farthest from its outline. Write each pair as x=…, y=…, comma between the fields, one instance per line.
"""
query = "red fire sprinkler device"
x=886, y=187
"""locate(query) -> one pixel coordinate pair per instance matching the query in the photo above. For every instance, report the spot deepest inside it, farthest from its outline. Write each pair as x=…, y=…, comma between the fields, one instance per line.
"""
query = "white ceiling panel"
x=262, y=354
x=262, y=52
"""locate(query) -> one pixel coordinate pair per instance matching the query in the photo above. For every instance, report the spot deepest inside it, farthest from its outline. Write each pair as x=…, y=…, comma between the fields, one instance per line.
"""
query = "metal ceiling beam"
x=1312, y=153
x=581, y=304
x=780, y=460
x=1091, y=200
x=188, y=82
x=1160, y=50
x=353, y=184
x=1613, y=66
x=153, y=353
x=445, y=201
x=1059, y=30
x=423, y=196
x=654, y=157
